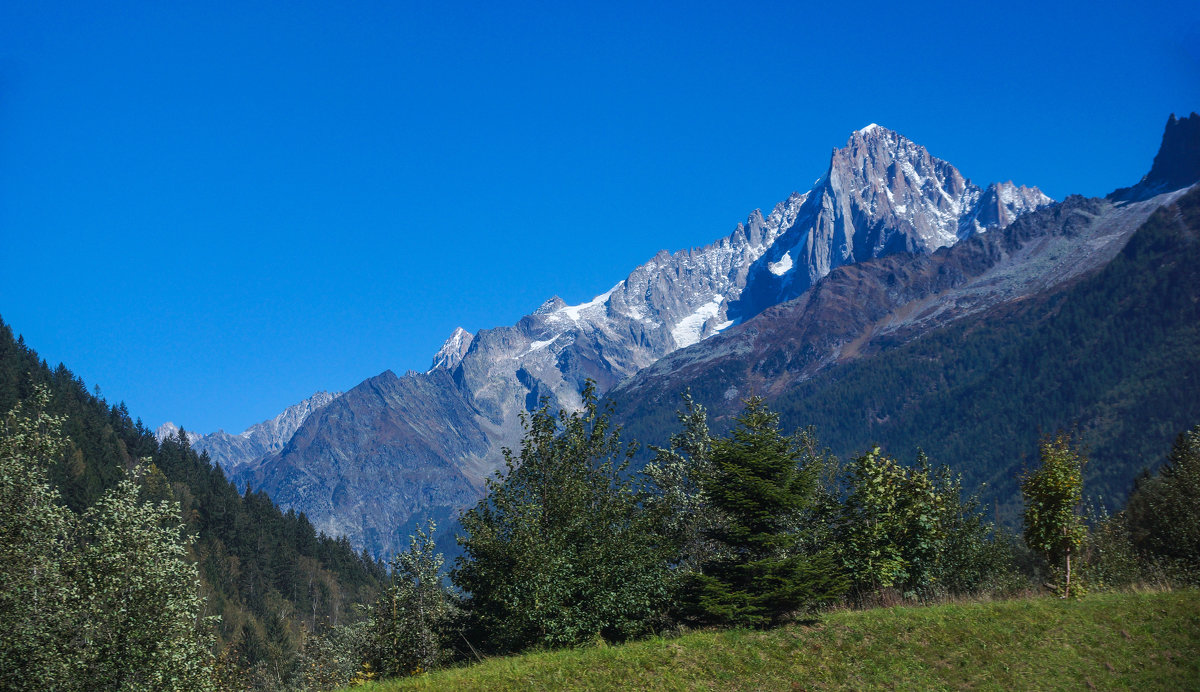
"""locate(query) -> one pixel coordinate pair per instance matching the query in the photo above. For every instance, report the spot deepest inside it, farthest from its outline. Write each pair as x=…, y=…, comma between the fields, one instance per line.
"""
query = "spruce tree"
x=762, y=486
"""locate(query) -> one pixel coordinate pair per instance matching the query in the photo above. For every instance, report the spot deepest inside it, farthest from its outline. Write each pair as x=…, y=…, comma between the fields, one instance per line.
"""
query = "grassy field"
x=1148, y=641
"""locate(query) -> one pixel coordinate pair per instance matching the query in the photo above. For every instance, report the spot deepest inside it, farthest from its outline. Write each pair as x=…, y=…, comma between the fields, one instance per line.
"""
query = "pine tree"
x=762, y=485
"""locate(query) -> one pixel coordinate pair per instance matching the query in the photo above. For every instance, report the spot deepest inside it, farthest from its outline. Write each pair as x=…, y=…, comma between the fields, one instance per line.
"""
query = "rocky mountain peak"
x=260, y=439
x=453, y=349
x=1176, y=165
x=393, y=441
x=881, y=194
x=169, y=429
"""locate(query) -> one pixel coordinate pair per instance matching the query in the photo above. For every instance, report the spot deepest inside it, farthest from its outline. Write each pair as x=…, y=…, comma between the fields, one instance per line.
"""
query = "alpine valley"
x=896, y=302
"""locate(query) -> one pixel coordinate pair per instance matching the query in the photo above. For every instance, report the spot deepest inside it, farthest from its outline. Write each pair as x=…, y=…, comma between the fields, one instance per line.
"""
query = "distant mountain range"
x=890, y=244
x=254, y=442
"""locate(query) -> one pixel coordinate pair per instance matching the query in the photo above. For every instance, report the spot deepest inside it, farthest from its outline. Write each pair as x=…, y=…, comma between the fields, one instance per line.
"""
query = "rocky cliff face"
x=881, y=194
x=389, y=450
x=404, y=447
x=1176, y=165
x=857, y=310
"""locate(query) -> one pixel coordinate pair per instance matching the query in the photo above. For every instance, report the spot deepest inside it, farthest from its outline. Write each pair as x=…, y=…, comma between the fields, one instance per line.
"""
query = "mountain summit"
x=881, y=194
x=1176, y=165
x=397, y=449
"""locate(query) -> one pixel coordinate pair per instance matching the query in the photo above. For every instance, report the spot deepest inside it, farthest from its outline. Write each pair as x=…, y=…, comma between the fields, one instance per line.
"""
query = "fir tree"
x=761, y=485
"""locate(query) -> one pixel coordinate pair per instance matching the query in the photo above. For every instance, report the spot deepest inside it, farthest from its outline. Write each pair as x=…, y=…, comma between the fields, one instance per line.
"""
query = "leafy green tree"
x=35, y=593
x=761, y=483
x=874, y=523
x=410, y=619
x=139, y=599
x=678, y=474
x=562, y=550
x=1053, y=515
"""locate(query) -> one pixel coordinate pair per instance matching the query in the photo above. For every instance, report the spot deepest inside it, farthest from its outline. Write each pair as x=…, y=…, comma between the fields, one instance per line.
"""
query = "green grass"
x=1147, y=641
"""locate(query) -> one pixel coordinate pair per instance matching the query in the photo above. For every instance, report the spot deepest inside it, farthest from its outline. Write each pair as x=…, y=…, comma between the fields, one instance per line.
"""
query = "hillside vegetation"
x=1107, y=641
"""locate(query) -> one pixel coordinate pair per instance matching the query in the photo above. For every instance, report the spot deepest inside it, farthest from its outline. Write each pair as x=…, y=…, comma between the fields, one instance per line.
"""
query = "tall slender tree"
x=1053, y=507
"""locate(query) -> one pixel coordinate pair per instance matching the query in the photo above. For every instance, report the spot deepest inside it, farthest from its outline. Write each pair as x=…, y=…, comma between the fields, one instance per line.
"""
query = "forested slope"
x=269, y=575
x=1115, y=355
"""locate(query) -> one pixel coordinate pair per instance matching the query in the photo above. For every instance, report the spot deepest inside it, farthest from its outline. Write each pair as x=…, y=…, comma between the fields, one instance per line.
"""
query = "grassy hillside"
x=1107, y=641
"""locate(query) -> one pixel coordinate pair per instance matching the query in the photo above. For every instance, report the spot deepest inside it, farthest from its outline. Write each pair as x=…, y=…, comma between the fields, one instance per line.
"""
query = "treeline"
x=753, y=528
x=270, y=580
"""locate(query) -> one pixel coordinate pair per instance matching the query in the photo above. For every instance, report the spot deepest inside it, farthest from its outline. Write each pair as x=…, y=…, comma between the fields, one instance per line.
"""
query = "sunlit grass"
x=1148, y=641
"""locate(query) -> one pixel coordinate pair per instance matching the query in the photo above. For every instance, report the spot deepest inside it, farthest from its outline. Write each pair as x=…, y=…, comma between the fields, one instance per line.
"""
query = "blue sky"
x=212, y=210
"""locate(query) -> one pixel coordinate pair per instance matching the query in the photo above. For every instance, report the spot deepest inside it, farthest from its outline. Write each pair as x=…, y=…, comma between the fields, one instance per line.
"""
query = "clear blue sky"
x=212, y=210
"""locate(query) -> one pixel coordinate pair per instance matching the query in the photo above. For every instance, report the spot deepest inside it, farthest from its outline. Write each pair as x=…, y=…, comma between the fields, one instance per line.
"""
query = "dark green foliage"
x=262, y=570
x=761, y=484
x=561, y=551
x=678, y=475
x=1163, y=515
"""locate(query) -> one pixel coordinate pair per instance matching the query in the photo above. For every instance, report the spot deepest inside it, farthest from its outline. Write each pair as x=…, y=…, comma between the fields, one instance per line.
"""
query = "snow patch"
x=574, y=312
x=783, y=266
x=869, y=128
x=688, y=331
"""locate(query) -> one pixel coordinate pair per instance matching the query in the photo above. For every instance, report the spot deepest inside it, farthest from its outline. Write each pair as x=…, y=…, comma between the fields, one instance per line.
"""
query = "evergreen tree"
x=1053, y=497
x=1163, y=513
x=762, y=484
x=561, y=550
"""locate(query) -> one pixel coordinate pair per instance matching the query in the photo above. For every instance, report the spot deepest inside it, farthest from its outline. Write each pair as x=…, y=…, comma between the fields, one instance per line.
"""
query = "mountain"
x=395, y=449
x=1176, y=165
x=169, y=430
x=254, y=442
x=881, y=194
x=1080, y=315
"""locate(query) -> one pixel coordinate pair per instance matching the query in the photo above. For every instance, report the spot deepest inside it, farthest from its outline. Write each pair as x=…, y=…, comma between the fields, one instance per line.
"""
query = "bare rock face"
x=452, y=351
x=1176, y=165
x=442, y=431
x=858, y=309
x=881, y=194
x=389, y=449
